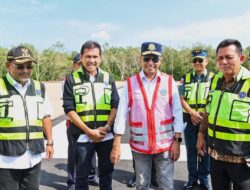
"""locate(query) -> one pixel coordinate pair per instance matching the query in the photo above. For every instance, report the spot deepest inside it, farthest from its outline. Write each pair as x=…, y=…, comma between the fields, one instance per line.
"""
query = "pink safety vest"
x=151, y=129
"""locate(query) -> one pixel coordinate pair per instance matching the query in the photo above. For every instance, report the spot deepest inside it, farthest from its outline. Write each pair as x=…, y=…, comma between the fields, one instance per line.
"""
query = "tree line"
x=54, y=62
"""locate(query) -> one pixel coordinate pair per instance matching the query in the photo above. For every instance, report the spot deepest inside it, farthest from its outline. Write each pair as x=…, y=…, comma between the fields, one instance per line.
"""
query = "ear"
x=242, y=59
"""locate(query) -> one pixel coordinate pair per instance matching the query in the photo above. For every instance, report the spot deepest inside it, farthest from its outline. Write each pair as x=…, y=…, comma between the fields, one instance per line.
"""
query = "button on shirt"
x=149, y=86
x=27, y=160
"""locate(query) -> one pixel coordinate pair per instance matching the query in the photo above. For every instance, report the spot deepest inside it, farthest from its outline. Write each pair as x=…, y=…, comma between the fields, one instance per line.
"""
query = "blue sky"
x=174, y=23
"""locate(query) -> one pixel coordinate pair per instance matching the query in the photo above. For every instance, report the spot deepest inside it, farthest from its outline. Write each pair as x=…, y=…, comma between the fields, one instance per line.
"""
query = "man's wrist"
x=108, y=128
x=50, y=142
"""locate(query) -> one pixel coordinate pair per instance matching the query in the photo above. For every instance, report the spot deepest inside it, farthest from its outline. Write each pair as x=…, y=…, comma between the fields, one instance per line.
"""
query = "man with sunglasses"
x=194, y=90
x=226, y=120
x=24, y=119
x=151, y=106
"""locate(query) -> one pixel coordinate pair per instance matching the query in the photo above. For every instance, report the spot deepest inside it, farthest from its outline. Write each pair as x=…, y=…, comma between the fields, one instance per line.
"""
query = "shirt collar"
x=203, y=74
x=143, y=76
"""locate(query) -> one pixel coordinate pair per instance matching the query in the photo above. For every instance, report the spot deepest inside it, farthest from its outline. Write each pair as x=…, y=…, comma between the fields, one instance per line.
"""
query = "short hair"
x=228, y=42
x=91, y=45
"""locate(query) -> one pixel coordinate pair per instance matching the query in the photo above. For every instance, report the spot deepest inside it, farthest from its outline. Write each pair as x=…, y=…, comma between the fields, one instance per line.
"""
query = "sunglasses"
x=155, y=58
x=21, y=67
x=200, y=60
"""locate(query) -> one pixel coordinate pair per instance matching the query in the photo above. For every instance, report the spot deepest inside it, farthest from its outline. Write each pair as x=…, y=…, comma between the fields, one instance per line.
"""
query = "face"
x=199, y=64
x=229, y=60
x=76, y=66
x=20, y=72
x=150, y=64
x=91, y=60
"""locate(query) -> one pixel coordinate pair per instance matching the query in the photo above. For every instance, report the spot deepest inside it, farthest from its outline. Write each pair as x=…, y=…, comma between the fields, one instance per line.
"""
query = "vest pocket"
x=107, y=95
x=4, y=109
x=240, y=111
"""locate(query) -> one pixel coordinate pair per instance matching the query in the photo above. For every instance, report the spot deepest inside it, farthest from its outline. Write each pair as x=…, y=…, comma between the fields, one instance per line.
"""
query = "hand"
x=103, y=130
x=115, y=154
x=201, y=144
x=195, y=117
x=96, y=135
x=175, y=151
x=49, y=152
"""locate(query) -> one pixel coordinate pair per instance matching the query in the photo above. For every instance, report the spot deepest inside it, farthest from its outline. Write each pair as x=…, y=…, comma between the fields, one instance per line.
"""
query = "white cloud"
x=102, y=35
x=205, y=31
x=107, y=26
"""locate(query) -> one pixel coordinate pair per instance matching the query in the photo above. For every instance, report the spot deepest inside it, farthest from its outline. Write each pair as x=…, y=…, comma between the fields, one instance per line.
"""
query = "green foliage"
x=54, y=62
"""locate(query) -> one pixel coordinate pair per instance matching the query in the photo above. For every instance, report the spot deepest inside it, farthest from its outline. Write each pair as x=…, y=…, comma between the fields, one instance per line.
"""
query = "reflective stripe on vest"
x=150, y=125
x=196, y=92
x=92, y=99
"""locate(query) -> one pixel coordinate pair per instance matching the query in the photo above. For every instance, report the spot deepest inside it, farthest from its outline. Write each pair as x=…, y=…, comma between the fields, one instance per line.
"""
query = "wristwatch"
x=108, y=128
x=178, y=139
x=50, y=143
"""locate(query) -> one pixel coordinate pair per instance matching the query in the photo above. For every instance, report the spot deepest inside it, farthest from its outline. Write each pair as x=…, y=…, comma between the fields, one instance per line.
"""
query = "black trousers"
x=20, y=179
x=223, y=174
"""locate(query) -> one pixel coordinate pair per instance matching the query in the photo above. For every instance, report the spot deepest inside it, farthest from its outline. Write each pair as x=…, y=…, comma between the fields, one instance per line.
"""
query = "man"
x=193, y=93
x=90, y=100
x=25, y=117
x=227, y=120
x=92, y=178
x=151, y=107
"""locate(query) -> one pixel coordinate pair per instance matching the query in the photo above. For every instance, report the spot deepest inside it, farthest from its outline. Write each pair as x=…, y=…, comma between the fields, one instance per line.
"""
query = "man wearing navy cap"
x=24, y=119
x=194, y=90
x=150, y=105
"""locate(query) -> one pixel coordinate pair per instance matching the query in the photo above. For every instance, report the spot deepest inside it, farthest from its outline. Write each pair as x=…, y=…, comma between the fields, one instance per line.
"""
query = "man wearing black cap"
x=193, y=91
x=150, y=105
x=25, y=117
x=90, y=100
x=92, y=178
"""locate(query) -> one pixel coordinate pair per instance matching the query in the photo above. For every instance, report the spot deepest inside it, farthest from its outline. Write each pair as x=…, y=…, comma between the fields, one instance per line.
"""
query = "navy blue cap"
x=77, y=58
x=151, y=48
x=199, y=53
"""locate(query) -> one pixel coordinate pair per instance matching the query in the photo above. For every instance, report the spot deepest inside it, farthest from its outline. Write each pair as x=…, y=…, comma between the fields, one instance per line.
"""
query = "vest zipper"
x=27, y=120
x=196, y=96
x=94, y=102
x=215, y=118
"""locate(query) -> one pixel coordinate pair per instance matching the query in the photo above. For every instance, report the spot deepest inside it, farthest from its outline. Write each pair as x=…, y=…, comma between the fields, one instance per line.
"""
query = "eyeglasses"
x=200, y=60
x=21, y=67
x=154, y=58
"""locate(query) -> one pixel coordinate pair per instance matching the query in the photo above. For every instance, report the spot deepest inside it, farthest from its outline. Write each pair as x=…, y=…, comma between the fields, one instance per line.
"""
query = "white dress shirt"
x=27, y=160
x=149, y=86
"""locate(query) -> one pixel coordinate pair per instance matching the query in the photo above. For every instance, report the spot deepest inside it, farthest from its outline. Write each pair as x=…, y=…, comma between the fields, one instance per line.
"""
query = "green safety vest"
x=92, y=100
x=20, y=119
x=196, y=92
x=229, y=117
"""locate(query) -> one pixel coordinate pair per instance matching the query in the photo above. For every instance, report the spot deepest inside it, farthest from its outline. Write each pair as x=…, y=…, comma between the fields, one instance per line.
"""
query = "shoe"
x=154, y=183
x=94, y=181
x=132, y=182
x=188, y=185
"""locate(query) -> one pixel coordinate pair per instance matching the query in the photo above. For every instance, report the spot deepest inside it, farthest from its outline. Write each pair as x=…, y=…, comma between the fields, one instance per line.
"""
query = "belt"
x=226, y=158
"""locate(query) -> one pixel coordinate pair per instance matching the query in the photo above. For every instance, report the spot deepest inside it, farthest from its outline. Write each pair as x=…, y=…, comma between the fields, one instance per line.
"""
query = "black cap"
x=20, y=54
x=151, y=48
x=199, y=53
x=77, y=58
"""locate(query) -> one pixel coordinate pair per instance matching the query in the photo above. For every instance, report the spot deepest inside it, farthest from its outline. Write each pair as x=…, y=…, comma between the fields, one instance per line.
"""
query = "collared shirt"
x=27, y=160
x=196, y=77
x=149, y=86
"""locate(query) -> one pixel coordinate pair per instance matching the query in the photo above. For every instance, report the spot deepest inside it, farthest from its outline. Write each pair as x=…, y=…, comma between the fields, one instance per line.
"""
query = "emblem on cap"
x=151, y=47
x=242, y=95
x=25, y=52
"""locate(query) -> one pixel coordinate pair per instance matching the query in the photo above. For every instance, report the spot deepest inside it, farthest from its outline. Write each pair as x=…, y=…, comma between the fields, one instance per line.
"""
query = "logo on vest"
x=38, y=92
x=163, y=92
x=82, y=91
x=242, y=95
